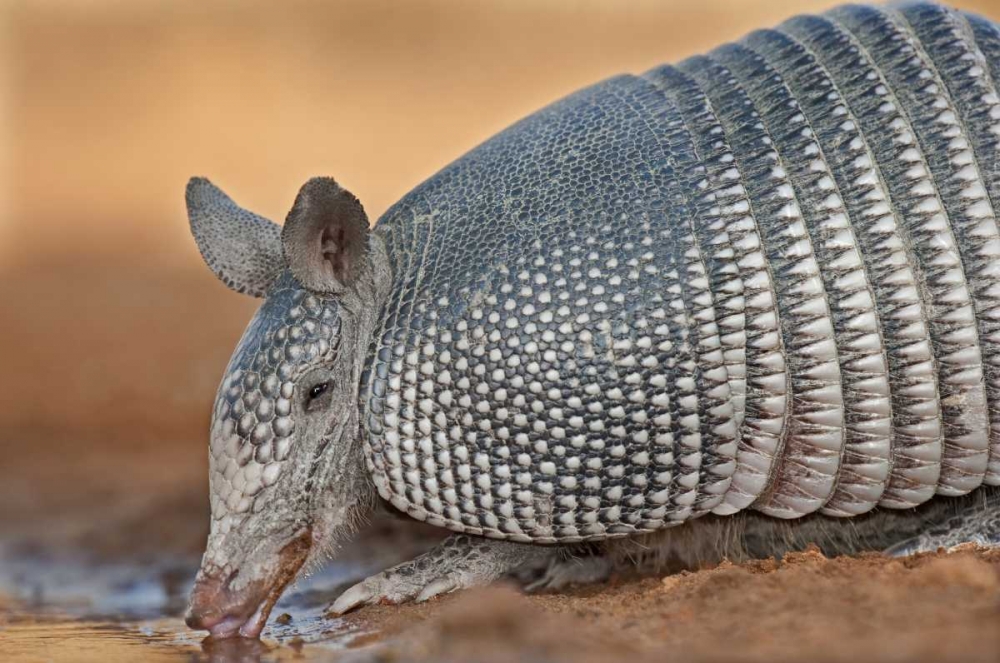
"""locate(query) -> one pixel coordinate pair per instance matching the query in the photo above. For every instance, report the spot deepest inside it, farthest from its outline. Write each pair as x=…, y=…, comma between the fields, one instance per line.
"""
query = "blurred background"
x=112, y=333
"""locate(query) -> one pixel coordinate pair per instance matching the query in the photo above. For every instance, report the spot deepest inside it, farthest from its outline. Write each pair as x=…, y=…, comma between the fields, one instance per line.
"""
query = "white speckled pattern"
x=253, y=425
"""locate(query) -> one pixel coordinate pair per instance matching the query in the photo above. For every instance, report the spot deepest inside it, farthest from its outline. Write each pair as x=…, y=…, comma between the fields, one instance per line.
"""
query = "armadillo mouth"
x=226, y=628
x=252, y=627
x=232, y=626
x=291, y=558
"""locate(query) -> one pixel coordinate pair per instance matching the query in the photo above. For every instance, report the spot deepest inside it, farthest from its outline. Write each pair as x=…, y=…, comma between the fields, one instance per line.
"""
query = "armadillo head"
x=287, y=477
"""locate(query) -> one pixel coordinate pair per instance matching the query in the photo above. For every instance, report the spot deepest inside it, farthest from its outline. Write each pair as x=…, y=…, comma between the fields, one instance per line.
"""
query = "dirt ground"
x=805, y=608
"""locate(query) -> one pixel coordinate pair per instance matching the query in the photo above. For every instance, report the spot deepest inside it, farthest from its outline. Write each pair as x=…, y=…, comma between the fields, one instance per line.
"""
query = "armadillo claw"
x=437, y=587
x=391, y=587
x=354, y=597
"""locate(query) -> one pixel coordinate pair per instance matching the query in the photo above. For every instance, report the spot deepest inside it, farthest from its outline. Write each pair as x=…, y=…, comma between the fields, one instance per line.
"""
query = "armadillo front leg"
x=458, y=562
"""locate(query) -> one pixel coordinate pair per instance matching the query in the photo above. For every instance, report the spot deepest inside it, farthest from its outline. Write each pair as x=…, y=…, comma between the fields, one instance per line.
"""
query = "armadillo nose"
x=202, y=614
x=219, y=624
x=210, y=609
x=194, y=620
x=197, y=619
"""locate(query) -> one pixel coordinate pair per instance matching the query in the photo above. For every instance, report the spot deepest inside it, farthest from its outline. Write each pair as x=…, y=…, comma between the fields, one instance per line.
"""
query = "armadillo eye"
x=318, y=390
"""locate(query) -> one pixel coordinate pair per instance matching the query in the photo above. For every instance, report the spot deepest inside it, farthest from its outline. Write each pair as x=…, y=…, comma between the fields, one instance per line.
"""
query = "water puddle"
x=62, y=608
x=64, y=638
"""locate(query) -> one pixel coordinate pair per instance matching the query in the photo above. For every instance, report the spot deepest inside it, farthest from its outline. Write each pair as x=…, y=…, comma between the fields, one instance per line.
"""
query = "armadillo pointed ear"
x=325, y=236
x=243, y=249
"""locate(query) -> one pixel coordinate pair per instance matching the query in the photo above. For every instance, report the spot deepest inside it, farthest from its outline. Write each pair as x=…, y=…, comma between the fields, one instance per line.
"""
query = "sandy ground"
x=805, y=608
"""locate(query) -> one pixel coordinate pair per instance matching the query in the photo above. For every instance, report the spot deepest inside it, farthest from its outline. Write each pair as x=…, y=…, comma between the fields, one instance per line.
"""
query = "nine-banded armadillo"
x=762, y=282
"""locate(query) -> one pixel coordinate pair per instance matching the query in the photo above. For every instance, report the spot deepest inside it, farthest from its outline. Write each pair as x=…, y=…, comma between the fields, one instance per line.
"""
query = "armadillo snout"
x=216, y=608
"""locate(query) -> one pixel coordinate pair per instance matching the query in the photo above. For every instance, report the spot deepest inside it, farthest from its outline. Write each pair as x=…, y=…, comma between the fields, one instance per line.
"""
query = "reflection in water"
x=73, y=611
x=50, y=638
x=234, y=650
x=60, y=601
x=34, y=638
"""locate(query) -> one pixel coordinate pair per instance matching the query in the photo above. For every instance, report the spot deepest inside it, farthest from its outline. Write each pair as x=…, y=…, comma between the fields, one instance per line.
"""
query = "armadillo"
x=724, y=305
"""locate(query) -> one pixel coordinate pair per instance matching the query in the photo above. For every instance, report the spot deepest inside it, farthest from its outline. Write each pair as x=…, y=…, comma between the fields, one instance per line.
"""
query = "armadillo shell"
x=766, y=278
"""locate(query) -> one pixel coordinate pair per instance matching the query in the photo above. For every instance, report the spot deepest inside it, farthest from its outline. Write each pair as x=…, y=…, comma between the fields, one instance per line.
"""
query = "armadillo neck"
x=767, y=277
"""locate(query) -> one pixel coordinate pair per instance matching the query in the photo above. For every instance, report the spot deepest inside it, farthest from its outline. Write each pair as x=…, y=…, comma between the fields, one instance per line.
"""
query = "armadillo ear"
x=326, y=236
x=243, y=249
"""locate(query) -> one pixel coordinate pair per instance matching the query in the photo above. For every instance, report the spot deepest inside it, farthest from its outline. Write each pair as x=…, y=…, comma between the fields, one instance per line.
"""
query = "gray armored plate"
x=766, y=277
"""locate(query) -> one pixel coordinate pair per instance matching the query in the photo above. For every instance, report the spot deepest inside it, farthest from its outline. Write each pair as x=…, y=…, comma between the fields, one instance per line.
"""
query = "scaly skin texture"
x=711, y=311
x=286, y=465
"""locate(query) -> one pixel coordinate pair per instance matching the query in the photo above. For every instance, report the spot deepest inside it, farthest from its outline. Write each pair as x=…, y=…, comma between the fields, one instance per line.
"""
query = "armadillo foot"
x=562, y=572
x=978, y=524
x=458, y=562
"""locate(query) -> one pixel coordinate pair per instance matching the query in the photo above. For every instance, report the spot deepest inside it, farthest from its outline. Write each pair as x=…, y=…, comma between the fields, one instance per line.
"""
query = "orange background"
x=113, y=334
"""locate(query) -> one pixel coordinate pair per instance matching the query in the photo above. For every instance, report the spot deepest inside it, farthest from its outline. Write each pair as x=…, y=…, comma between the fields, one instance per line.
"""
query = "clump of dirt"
x=935, y=607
